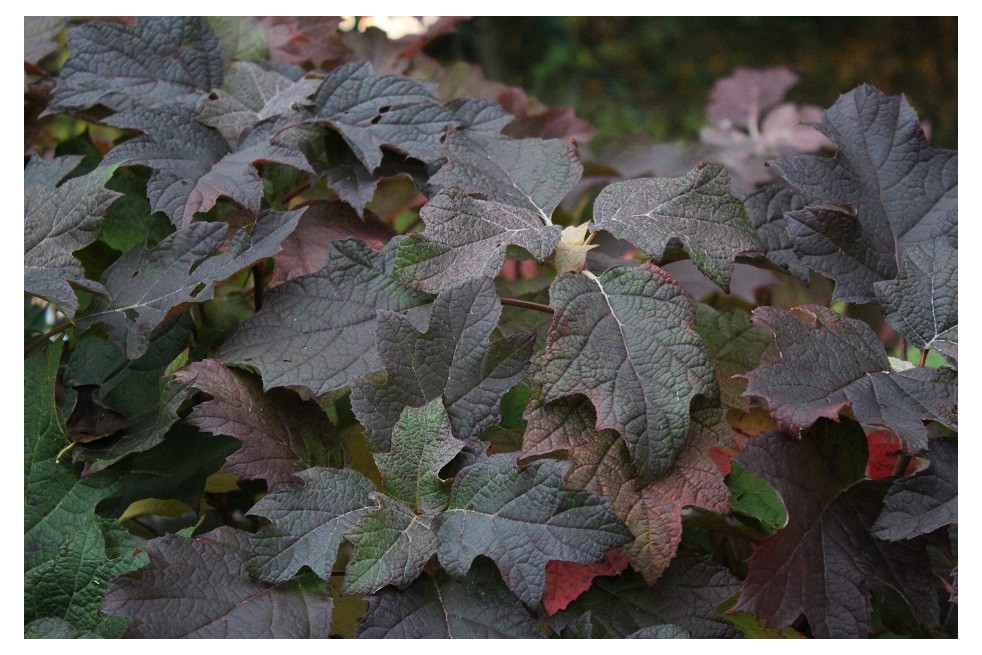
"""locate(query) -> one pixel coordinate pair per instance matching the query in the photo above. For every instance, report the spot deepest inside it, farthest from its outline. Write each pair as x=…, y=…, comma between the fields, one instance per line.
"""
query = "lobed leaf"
x=521, y=519
x=158, y=60
x=145, y=284
x=477, y=607
x=199, y=588
x=625, y=341
x=453, y=360
x=308, y=523
x=820, y=563
x=281, y=434
x=58, y=220
x=925, y=501
x=827, y=363
x=922, y=301
x=884, y=192
x=336, y=348
x=466, y=238
x=696, y=209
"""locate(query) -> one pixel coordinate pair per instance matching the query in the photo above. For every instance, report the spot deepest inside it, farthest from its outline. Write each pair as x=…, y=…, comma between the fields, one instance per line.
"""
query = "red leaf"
x=565, y=581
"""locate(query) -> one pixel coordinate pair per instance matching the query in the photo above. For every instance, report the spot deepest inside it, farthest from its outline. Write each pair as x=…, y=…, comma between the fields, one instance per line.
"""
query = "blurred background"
x=655, y=74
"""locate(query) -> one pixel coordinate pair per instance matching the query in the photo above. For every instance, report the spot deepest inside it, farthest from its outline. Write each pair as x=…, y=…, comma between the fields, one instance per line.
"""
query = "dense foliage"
x=326, y=338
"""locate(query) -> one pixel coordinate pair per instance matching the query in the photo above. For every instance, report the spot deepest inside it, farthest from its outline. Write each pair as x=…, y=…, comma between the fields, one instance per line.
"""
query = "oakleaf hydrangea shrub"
x=321, y=340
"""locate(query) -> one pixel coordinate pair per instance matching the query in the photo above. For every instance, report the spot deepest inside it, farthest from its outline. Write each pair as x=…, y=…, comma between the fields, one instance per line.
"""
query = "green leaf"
x=735, y=346
x=753, y=628
x=69, y=553
x=392, y=546
x=422, y=444
x=753, y=497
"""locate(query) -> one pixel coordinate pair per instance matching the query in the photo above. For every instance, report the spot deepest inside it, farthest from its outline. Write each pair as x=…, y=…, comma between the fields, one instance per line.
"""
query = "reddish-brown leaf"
x=565, y=581
x=305, y=250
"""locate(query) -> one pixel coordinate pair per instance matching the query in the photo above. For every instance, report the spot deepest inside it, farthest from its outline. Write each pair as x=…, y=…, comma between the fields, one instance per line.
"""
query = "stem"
x=923, y=360
x=43, y=339
x=257, y=286
x=294, y=193
x=590, y=239
x=903, y=348
x=525, y=304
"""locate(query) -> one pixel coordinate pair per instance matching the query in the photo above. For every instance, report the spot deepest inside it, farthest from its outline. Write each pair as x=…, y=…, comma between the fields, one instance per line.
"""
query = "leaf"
x=624, y=340
x=72, y=585
x=302, y=39
x=422, y=444
x=696, y=209
x=820, y=563
x=251, y=94
x=521, y=519
x=159, y=60
x=358, y=186
x=391, y=548
x=663, y=631
x=59, y=220
x=193, y=165
x=54, y=628
x=199, y=588
x=140, y=390
x=173, y=473
x=477, y=607
x=748, y=93
x=306, y=250
x=884, y=192
x=854, y=373
x=766, y=208
x=752, y=497
x=653, y=512
x=144, y=285
x=55, y=499
x=751, y=627
x=534, y=120
x=371, y=111
x=337, y=347
x=566, y=581
x=242, y=38
x=281, y=434
x=530, y=174
x=308, y=523
x=735, y=346
x=686, y=596
x=393, y=544
x=40, y=36
x=922, y=301
x=465, y=239
x=453, y=361
x=925, y=501
x=69, y=553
